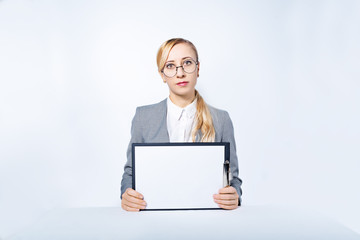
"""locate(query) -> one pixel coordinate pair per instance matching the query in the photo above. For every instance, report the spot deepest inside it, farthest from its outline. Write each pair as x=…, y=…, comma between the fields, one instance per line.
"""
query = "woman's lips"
x=182, y=84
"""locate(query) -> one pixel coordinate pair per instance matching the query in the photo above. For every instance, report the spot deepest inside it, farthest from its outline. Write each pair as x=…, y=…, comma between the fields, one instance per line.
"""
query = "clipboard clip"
x=227, y=176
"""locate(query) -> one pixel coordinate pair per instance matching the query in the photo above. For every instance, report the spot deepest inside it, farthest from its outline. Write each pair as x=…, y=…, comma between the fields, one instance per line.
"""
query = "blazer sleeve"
x=228, y=136
x=136, y=137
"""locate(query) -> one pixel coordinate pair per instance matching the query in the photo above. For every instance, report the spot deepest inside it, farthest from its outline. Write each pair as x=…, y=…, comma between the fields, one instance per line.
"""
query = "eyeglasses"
x=188, y=66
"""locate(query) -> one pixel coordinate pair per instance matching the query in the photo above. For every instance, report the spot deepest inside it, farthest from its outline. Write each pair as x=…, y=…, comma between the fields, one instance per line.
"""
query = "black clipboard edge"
x=133, y=164
x=226, y=144
x=180, y=209
x=226, y=157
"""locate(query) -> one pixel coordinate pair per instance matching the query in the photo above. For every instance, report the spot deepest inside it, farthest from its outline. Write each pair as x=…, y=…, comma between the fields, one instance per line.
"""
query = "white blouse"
x=180, y=121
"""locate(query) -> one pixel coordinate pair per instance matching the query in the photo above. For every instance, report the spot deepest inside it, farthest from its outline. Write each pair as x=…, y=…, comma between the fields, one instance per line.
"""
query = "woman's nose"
x=180, y=71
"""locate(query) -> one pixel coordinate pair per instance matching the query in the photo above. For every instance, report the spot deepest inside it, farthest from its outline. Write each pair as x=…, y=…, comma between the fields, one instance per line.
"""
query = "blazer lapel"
x=163, y=131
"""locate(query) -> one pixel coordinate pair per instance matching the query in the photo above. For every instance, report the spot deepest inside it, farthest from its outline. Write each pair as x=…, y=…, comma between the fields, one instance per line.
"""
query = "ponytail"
x=203, y=121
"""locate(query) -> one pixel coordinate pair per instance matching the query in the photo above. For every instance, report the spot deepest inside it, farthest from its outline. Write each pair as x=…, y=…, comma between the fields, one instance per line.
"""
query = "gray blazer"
x=149, y=126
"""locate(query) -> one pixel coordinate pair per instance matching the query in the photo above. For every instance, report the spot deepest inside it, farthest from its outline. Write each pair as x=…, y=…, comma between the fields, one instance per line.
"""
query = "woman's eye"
x=169, y=66
x=188, y=62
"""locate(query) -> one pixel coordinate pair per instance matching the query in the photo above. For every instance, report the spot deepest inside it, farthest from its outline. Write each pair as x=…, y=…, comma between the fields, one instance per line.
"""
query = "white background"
x=73, y=72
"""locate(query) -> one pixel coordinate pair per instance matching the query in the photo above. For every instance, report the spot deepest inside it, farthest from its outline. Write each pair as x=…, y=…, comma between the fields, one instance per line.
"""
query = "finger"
x=130, y=209
x=231, y=207
x=134, y=193
x=226, y=196
x=227, y=190
x=226, y=202
x=134, y=200
x=132, y=204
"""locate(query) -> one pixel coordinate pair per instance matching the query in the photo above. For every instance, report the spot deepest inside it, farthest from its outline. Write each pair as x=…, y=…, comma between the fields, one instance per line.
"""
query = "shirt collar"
x=177, y=111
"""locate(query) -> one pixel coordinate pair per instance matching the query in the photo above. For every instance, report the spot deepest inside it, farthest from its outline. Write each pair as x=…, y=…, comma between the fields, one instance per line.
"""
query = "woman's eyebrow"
x=181, y=59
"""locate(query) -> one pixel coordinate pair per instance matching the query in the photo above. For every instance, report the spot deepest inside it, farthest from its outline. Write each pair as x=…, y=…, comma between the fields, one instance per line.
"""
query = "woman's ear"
x=198, y=69
x=163, y=77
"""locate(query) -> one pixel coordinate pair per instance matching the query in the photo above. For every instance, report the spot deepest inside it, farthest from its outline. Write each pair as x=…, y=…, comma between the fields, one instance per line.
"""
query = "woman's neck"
x=182, y=101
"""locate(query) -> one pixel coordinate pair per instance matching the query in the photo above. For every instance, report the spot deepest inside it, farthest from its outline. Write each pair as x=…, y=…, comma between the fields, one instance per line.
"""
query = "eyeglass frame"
x=182, y=66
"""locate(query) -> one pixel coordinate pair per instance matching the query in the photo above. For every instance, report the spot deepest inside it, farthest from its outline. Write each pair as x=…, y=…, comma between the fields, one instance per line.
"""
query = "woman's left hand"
x=227, y=198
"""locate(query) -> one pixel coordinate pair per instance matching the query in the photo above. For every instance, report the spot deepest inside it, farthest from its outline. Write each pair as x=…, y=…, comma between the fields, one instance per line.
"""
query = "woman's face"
x=183, y=83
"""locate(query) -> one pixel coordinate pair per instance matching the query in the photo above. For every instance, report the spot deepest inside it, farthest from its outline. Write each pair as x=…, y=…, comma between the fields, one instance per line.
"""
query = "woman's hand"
x=132, y=201
x=227, y=198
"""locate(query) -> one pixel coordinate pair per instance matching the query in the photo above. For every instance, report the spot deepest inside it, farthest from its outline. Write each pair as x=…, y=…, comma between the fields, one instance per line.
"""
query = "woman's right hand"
x=132, y=201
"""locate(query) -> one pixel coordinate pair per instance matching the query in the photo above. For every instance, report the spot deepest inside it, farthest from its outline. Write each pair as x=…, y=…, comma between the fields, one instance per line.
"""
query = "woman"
x=182, y=117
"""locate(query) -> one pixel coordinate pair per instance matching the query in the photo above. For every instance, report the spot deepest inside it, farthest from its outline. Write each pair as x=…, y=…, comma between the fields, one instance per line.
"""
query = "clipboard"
x=179, y=176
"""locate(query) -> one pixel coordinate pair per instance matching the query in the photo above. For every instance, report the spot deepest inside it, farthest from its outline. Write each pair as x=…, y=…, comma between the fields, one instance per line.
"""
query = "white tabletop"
x=247, y=222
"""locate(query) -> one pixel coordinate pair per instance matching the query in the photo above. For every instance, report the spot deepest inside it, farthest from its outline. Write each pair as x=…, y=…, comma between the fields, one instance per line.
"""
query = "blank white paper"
x=179, y=176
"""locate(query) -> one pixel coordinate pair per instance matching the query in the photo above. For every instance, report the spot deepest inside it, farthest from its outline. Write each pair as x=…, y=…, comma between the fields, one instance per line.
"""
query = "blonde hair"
x=203, y=118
